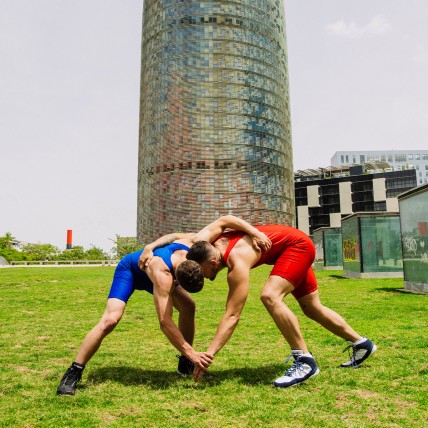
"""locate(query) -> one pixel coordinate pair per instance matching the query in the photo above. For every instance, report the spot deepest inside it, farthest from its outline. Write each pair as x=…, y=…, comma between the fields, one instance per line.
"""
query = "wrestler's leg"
x=329, y=319
x=110, y=318
x=274, y=291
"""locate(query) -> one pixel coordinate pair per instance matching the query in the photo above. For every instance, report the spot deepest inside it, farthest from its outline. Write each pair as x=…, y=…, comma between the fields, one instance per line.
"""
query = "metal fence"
x=53, y=263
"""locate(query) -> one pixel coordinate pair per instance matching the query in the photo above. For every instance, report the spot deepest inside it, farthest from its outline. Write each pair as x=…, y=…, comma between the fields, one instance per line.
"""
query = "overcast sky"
x=69, y=102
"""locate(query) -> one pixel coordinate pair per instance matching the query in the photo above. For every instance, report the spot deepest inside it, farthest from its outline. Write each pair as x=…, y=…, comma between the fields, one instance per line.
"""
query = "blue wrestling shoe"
x=302, y=369
x=360, y=352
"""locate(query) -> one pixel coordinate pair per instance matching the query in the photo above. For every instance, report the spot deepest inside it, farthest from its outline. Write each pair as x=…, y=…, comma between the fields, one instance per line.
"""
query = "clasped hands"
x=201, y=360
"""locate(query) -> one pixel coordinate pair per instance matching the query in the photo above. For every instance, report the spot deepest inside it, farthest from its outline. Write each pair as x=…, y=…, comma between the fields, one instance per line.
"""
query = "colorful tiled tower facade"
x=215, y=135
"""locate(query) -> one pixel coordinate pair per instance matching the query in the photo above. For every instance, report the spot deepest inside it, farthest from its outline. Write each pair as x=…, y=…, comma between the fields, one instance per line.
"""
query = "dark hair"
x=200, y=251
x=190, y=276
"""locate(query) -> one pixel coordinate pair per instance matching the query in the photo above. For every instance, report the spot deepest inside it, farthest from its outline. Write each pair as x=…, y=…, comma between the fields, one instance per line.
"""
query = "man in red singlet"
x=291, y=254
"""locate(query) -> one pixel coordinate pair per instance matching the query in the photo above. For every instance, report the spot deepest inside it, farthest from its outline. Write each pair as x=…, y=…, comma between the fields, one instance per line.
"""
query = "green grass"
x=131, y=381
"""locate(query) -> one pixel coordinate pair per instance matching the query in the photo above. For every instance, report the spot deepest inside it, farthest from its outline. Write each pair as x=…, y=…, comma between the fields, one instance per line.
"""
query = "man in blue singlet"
x=157, y=278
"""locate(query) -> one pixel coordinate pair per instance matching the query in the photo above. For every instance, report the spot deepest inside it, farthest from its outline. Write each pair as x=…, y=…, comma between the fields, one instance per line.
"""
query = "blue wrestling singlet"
x=129, y=277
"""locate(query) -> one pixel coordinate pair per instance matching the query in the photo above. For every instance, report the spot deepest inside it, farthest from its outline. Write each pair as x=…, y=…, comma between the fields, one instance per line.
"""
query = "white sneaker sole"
x=346, y=365
x=299, y=382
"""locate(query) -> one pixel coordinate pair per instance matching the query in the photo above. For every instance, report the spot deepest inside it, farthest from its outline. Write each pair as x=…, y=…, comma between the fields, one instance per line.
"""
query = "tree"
x=75, y=253
x=6, y=249
x=124, y=245
x=40, y=251
x=48, y=252
x=6, y=241
x=95, y=253
x=10, y=254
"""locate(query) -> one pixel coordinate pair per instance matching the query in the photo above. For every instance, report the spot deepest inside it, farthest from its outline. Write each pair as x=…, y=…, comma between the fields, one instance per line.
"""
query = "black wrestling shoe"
x=185, y=366
x=68, y=383
x=360, y=352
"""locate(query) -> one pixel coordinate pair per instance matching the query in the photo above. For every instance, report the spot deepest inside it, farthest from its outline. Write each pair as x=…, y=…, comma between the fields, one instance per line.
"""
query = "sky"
x=69, y=103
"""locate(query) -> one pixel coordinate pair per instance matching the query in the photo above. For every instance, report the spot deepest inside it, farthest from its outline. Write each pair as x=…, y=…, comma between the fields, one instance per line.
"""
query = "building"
x=326, y=195
x=328, y=248
x=414, y=238
x=371, y=245
x=18, y=245
x=215, y=132
x=397, y=160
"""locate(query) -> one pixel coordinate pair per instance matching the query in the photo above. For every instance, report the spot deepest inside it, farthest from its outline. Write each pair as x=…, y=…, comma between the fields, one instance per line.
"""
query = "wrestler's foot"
x=360, y=352
x=185, y=366
x=302, y=369
x=68, y=383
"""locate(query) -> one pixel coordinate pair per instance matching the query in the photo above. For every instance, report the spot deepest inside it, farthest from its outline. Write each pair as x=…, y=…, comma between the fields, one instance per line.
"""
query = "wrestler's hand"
x=261, y=242
x=145, y=258
x=198, y=374
x=202, y=361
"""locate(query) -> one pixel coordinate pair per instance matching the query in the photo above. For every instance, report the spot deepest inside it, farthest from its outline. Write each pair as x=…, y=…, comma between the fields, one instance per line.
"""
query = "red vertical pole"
x=69, y=239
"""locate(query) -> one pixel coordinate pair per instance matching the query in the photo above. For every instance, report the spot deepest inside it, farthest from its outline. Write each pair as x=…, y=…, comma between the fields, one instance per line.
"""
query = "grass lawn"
x=131, y=381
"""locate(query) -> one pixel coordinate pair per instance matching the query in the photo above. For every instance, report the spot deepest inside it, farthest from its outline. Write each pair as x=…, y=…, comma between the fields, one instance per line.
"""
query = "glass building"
x=371, y=245
x=215, y=133
x=414, y=238
x=328, y=246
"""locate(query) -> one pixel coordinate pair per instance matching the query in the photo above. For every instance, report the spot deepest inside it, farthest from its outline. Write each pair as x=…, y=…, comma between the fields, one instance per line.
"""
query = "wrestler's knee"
x=310, y=312
x=310, y=308
x=110, y=319
x=268, y=298
x=108, y=323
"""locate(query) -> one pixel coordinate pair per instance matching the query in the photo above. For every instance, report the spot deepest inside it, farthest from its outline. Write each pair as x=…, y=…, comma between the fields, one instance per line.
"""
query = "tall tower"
x=215, y=134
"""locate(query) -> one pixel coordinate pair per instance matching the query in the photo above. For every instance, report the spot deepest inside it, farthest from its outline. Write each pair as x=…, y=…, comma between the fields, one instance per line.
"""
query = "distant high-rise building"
x=215, y=134
x=398, y=160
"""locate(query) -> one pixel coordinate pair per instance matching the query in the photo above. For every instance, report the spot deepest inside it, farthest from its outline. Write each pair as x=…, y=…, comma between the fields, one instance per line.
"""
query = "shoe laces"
x=71, y=376
x=296, y=367
x=352, y=354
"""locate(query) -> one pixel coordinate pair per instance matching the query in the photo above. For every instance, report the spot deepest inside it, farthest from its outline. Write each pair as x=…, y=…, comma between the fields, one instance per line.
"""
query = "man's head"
x=190, y=276
x=207, y=256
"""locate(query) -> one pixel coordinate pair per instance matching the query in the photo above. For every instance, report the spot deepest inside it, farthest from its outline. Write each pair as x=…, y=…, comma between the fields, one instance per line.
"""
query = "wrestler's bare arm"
x=238, y=281
x=163, y=285
x=147, y=253
x=211, y=232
